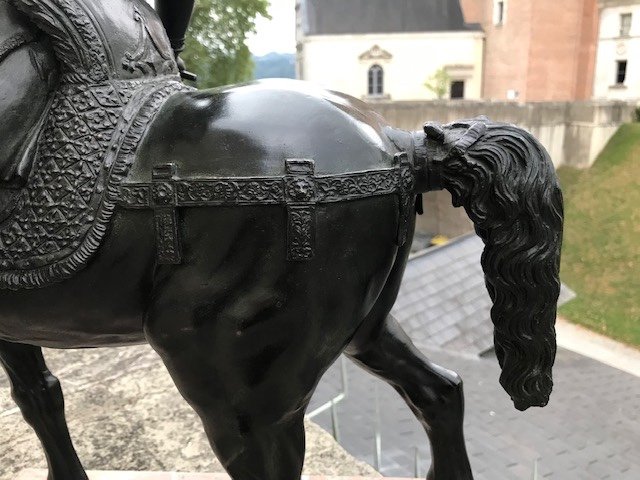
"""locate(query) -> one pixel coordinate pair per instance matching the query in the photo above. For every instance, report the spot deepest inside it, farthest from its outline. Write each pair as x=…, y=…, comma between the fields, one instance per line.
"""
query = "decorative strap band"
x=299, y=190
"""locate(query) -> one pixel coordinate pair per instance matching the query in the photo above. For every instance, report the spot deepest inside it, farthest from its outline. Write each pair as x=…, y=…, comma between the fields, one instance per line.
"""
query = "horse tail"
x=506, y=182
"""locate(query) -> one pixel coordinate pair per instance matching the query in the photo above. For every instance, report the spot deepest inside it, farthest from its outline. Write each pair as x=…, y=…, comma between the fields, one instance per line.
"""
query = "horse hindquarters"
x=247, y=334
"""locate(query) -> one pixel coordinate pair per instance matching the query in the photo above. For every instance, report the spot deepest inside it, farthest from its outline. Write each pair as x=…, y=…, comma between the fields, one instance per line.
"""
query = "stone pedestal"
x=33, y=474
x=125, y=414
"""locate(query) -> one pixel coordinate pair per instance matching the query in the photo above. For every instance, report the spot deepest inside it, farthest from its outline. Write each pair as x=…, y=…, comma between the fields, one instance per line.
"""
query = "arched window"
x=376, y=80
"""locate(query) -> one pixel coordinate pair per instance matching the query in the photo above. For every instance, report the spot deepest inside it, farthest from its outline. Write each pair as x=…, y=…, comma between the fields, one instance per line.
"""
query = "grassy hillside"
x=601, y=254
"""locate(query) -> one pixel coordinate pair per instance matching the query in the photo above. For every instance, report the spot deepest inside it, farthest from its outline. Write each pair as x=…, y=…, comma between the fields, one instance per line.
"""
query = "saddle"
x=116, y=71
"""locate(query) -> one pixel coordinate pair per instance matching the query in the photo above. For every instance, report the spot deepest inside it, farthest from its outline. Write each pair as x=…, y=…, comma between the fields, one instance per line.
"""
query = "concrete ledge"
x=593, y=345
x=125, y=414
x=34, y=474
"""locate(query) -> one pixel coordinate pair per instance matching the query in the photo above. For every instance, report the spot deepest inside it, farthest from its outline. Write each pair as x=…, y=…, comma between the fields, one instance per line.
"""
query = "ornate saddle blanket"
x=84, y=151
x=116, y=71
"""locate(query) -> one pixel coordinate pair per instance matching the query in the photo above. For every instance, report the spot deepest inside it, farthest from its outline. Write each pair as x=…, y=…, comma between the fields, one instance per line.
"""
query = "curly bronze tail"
x=506, y=182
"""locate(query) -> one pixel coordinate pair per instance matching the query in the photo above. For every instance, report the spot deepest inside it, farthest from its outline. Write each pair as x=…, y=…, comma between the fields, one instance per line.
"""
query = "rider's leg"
x=175, y=15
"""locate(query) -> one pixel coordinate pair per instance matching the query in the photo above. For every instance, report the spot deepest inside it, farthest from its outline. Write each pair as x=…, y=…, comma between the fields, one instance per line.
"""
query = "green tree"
x=215, y=47
x=439, y=83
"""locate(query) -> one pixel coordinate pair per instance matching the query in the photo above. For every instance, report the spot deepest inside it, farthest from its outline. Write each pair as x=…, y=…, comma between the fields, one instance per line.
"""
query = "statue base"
x=34, y=474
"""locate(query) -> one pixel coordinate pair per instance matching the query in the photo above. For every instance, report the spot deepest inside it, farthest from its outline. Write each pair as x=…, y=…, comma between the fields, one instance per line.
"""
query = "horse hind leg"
x=254, y=425
x=433, y=393
x=262, y=451
x=255, y=435
x=39, y=395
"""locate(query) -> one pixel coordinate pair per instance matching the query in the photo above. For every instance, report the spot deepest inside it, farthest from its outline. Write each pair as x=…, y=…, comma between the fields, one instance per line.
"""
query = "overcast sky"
x=278, y=34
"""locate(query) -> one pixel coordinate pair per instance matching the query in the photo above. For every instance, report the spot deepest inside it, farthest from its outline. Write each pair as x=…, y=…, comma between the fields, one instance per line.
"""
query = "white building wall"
x=612, y=48
x=333, y=61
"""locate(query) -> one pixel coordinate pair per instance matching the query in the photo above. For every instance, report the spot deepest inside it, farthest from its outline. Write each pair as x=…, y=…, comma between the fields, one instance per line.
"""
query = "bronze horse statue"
x=250, y=234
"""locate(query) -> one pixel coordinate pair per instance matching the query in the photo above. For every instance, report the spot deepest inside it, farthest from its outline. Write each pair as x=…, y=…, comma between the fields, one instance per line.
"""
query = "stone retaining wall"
x=574, y=133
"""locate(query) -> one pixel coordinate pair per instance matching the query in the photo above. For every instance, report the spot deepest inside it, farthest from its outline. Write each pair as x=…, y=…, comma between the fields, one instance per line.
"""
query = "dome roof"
x=335, y=17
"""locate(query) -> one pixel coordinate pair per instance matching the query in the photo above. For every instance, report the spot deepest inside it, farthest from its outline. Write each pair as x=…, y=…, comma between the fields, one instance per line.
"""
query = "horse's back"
x=249, y=130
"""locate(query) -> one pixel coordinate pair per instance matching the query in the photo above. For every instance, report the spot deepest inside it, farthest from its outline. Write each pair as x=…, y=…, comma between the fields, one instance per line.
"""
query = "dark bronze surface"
x=250, y=234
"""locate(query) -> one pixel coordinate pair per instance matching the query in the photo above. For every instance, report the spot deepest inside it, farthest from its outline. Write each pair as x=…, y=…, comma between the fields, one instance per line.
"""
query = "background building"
x=618, y=58
x=537, y=50
x=522, y=50
x=377, y=49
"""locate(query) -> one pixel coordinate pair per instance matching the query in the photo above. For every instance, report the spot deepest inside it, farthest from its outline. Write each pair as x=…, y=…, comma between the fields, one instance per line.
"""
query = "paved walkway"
x=589, y=431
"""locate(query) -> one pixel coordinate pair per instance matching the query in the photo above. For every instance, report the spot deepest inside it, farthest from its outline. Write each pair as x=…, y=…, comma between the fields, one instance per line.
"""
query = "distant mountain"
x=275, y=65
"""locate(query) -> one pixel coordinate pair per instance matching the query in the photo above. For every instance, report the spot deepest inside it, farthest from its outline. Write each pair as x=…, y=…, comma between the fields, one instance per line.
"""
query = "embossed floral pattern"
x=83, y=148
x=62, y=193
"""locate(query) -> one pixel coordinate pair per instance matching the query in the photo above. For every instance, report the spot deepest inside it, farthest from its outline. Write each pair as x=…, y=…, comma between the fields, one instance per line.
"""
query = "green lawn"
x=601, y=254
